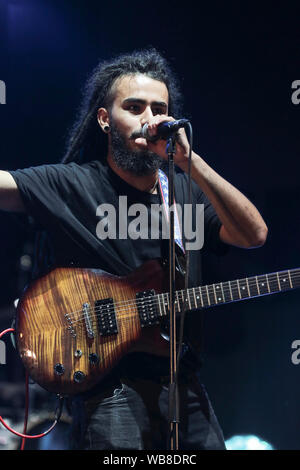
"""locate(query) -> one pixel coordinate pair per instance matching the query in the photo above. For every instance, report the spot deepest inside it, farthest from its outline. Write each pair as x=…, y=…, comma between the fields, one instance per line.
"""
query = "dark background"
x=236, y=64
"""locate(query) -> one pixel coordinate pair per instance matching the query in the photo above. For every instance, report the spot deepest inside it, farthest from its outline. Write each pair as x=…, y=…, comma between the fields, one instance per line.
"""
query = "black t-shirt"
x=63, y=200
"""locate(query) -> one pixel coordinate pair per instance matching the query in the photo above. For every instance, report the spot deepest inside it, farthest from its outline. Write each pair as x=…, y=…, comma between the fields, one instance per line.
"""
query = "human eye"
x=134, y=108
x=158, y=110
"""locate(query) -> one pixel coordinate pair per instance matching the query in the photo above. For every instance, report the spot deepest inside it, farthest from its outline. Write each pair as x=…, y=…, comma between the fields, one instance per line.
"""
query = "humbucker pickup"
x=148, y=308
x=106, y=317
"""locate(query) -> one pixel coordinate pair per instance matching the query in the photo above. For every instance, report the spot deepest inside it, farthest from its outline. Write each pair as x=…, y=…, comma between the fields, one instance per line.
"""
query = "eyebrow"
x=139, y=100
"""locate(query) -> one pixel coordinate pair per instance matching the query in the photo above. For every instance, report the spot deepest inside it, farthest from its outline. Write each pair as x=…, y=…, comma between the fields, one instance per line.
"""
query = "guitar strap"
x=163, y=187
x=180, y=259
x=164, y=194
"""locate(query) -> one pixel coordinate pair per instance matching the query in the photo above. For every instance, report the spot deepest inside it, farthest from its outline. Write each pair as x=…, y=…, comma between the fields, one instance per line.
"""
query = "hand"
x=159, y=146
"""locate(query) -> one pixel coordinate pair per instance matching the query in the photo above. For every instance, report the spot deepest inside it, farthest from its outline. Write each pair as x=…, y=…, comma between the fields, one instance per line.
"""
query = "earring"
x=106, y=129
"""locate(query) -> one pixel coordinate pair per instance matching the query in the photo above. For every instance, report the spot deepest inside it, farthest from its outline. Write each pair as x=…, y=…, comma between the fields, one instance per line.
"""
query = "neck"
x=146, y=183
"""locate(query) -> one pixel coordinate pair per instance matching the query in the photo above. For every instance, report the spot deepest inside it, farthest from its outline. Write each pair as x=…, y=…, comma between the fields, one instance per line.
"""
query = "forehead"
x=142, y=87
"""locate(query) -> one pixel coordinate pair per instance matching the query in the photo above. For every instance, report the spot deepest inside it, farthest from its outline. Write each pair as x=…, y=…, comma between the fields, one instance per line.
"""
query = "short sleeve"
x=212, y=223
x=46, y=191
x=212, y=226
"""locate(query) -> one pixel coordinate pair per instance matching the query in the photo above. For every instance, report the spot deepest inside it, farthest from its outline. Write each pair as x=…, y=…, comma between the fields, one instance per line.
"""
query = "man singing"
x=107, y=158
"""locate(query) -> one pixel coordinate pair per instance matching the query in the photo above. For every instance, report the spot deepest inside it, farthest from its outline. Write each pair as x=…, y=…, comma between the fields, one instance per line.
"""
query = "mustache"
x=136, y=134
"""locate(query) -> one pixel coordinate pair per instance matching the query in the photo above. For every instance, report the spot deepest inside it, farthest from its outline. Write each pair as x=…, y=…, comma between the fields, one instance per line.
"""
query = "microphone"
x=164, y=129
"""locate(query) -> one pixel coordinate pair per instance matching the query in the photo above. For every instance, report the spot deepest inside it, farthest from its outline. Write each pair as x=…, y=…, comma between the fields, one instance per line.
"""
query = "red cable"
x=27, y=436
x=24, y=436
x=26, y=409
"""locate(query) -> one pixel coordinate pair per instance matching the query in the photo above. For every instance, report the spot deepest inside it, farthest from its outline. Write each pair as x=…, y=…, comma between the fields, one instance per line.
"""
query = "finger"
x=155, y=121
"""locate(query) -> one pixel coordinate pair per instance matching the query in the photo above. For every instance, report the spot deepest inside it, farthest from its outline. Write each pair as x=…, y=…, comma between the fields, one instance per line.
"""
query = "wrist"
x=184, y=165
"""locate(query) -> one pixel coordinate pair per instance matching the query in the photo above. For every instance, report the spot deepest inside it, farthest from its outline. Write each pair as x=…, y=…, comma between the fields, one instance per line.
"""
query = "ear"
x=103, y=118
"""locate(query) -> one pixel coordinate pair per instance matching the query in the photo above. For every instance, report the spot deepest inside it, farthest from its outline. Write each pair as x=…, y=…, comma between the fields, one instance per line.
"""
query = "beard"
x=138, y=162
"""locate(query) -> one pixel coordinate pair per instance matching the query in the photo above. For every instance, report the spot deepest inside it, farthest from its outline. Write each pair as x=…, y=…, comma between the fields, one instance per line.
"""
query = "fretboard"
x=231, y=291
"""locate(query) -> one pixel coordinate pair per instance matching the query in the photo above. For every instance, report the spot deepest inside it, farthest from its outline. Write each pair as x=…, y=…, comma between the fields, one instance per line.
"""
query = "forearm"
x=242, y=223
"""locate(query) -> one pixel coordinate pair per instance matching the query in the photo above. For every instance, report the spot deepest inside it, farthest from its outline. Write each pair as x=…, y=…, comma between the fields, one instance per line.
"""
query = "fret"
x=258, y=290
x=248, y=287
x=160, y=306
x=189, y=298
x=167, y=301
x=295, y=277
x=221, y=284
x=199, y=297
x=273, y=281
x=211, y=295
x=205, y=296
x=278, y=280
x=253, y=287
x=227, y=291
x=194, y=294
x=188, y=303
x=243, y=288
x=219, y=294
x=230, y=290
x=284, y=280
x=268, y=283
x=238, y=285
x=185, y=302
x=236, y=295
x=262, y=282
x=214, y=288
x=290, y=279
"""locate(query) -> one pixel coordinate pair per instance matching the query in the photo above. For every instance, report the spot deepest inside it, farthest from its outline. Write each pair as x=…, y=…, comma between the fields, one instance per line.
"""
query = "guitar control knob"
x=78, y=376
x=93, y=358
x=59, y=369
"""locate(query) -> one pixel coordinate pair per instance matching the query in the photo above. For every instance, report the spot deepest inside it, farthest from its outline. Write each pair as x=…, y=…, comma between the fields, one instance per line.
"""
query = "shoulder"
x=56, y=173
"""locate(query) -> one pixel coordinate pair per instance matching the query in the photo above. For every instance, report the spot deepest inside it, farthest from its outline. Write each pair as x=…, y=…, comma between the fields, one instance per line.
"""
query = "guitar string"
x=129, y=318
x=180, y=294
x=150, y=299
x=131, y=302
x=147, y=301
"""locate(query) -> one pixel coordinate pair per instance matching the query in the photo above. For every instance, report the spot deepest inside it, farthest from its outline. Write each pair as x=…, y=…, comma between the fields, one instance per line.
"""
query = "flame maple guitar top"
x=61, y=347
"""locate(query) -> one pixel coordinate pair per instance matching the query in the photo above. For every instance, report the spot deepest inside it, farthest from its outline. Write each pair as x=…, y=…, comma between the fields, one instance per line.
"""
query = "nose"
x=147, y=115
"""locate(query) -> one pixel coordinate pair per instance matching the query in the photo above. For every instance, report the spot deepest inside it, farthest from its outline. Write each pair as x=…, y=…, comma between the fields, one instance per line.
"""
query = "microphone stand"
x=173, y=386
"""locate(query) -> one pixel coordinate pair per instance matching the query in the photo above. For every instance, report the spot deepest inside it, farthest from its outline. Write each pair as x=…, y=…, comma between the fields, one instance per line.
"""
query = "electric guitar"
x=74, y=325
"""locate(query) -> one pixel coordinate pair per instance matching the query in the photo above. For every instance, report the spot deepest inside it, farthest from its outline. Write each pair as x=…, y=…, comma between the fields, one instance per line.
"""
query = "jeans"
x=133, y=414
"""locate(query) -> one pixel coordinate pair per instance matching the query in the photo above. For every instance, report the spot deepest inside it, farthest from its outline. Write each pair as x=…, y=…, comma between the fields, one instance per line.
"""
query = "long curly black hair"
x=85, y=141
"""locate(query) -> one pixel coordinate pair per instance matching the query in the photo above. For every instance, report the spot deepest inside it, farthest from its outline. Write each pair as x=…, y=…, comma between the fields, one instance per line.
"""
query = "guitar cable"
x=57, y=415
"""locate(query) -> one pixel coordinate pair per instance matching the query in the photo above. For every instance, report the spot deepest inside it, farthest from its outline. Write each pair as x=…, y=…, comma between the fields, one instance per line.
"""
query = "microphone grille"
x=144, y=130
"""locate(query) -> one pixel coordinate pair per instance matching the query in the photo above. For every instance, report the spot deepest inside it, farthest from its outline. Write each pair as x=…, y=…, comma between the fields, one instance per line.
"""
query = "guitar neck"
x=231, y=291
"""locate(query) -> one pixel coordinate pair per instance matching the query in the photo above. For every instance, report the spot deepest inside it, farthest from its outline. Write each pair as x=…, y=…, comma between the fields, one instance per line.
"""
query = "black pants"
x=133, y=414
